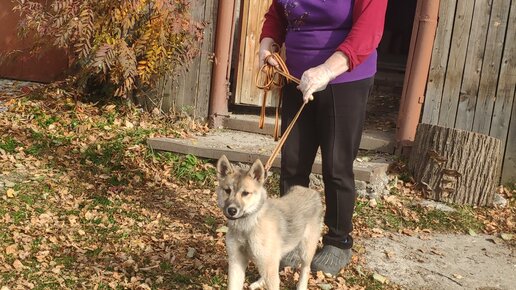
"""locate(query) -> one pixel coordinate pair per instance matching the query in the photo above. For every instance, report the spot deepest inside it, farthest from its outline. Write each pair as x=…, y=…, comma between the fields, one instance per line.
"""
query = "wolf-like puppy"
x=264, y=230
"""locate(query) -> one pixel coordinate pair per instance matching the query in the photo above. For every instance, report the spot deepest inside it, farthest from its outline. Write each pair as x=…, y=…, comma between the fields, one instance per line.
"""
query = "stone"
x=324, y=286
x=437, y=205
x=360, y=185
x=191, y=253
x=499, y=200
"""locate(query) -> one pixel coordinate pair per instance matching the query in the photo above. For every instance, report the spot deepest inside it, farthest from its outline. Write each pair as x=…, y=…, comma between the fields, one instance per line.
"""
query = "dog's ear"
x=224, y=168
x=257, y=171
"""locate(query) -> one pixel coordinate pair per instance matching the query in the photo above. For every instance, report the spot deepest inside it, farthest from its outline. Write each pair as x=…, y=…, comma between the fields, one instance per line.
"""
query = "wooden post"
x=455, y=166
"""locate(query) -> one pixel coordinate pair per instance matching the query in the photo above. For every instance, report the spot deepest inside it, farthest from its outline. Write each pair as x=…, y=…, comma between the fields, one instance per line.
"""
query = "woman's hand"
x=266, y=49
x=317, y=78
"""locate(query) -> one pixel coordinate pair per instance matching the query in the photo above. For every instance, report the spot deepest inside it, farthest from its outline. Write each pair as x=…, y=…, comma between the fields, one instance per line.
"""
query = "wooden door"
x=246, y=92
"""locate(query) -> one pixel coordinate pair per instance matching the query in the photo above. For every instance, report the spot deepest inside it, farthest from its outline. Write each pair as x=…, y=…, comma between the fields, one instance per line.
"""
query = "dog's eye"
x=227, y=190
x=245, y=193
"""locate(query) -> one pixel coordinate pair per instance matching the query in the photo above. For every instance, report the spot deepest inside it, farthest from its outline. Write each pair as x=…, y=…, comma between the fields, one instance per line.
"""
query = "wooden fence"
x=472, y=77
x=190, y=91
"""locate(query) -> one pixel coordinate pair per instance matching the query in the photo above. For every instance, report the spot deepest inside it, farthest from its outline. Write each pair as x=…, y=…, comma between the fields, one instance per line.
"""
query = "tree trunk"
x=455, y=166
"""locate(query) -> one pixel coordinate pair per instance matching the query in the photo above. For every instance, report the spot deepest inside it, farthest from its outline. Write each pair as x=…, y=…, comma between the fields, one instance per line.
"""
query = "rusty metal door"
x=45, y=67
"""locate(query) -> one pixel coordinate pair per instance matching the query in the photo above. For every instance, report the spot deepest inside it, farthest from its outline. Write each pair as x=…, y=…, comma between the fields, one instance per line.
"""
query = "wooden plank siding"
x=439, y=62
x=475, y=53
x=491, y=66
x=189, y=92
x=472, y=78
x=456, y=61
x=504, y=114
x=509, y=163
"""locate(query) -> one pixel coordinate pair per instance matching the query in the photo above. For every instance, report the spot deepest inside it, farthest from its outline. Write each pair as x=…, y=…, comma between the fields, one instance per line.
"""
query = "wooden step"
x=371, y=139
x=246, y=147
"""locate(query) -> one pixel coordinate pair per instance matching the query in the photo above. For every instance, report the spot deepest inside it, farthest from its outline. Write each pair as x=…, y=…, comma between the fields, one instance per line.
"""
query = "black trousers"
x=333, y=121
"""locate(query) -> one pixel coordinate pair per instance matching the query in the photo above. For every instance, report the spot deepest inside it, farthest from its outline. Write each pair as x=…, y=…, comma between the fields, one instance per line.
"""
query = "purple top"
x=315, y=29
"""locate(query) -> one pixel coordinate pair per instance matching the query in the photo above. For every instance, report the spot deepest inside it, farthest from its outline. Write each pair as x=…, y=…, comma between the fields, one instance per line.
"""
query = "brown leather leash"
x=275, y=77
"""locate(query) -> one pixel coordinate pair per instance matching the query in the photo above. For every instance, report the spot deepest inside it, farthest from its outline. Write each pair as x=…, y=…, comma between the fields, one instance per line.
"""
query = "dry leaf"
x=380, y=278
x=10, y=193
x=506, y=237
x=12, y=249
x=18, y=265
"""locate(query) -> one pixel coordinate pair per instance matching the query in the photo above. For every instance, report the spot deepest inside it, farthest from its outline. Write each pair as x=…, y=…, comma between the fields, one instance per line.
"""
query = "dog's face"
x=240, y=193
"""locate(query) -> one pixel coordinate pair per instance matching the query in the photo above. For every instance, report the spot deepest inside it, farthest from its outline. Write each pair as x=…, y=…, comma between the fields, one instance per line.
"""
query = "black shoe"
x=331, y=259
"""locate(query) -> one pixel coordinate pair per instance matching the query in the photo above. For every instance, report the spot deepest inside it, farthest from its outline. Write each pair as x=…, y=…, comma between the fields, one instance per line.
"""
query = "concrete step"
x=371, y=139
x=246, y=147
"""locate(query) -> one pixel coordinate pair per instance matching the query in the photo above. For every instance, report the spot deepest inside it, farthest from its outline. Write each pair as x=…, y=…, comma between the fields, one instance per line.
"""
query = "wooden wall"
x=190, y=91
x=472, y=77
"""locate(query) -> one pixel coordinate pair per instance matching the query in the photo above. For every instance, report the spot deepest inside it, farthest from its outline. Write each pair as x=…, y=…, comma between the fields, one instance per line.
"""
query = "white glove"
x=266, y=50
x=315, y=80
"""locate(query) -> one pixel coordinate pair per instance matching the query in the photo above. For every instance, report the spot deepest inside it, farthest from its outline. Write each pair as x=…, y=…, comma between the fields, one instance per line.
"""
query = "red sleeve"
x=275, y=24
x=366, y=32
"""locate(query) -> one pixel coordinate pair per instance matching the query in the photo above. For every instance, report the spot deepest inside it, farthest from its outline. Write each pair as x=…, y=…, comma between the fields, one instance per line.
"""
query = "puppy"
x=264, y=230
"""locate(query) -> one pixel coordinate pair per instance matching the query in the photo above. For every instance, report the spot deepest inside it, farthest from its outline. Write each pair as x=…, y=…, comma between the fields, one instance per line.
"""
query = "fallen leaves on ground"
x=85, y=204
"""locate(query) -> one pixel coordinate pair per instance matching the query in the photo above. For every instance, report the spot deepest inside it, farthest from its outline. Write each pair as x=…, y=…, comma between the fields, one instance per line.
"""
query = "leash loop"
x=268, y=78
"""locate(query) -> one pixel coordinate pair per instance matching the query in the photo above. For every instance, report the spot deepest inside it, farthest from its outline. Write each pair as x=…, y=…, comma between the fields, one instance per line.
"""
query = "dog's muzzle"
x=231, y=212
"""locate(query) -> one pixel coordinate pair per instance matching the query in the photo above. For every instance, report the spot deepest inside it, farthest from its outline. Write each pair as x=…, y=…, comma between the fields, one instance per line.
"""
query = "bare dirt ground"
x=443, y=261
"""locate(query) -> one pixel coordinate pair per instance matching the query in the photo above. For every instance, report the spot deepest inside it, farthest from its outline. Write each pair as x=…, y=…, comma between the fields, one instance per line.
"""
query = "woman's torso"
x=315, y=30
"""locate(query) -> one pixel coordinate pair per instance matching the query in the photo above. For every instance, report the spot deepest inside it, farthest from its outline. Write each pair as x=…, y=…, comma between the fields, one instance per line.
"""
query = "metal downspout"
x=219, y=92
x=416, y=74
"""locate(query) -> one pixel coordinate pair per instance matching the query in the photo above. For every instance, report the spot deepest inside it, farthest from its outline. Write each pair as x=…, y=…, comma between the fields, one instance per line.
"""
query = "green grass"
x=28, y=199
x=19, y=216
x=461, y=220
x=9, y=145
x=217, y=280
x=93, y=253
x=65, y=260
x=165, y=266
x=391, y=218
x=371, y=284
x=180, y=279
x=43, y=142
x=211, y=222
x=36, y=243
x=107, y=154
x=189, y=168
x=101, y=200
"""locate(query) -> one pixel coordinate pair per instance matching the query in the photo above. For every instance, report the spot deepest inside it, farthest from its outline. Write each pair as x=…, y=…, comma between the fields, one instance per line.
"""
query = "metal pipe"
x=219, y=92
x=416, y=73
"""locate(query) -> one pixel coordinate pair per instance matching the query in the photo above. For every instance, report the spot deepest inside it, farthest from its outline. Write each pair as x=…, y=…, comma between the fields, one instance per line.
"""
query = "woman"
x=331, y=46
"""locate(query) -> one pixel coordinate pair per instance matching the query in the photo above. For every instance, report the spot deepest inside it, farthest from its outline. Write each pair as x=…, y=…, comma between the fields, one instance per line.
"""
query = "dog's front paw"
x=258, y=284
